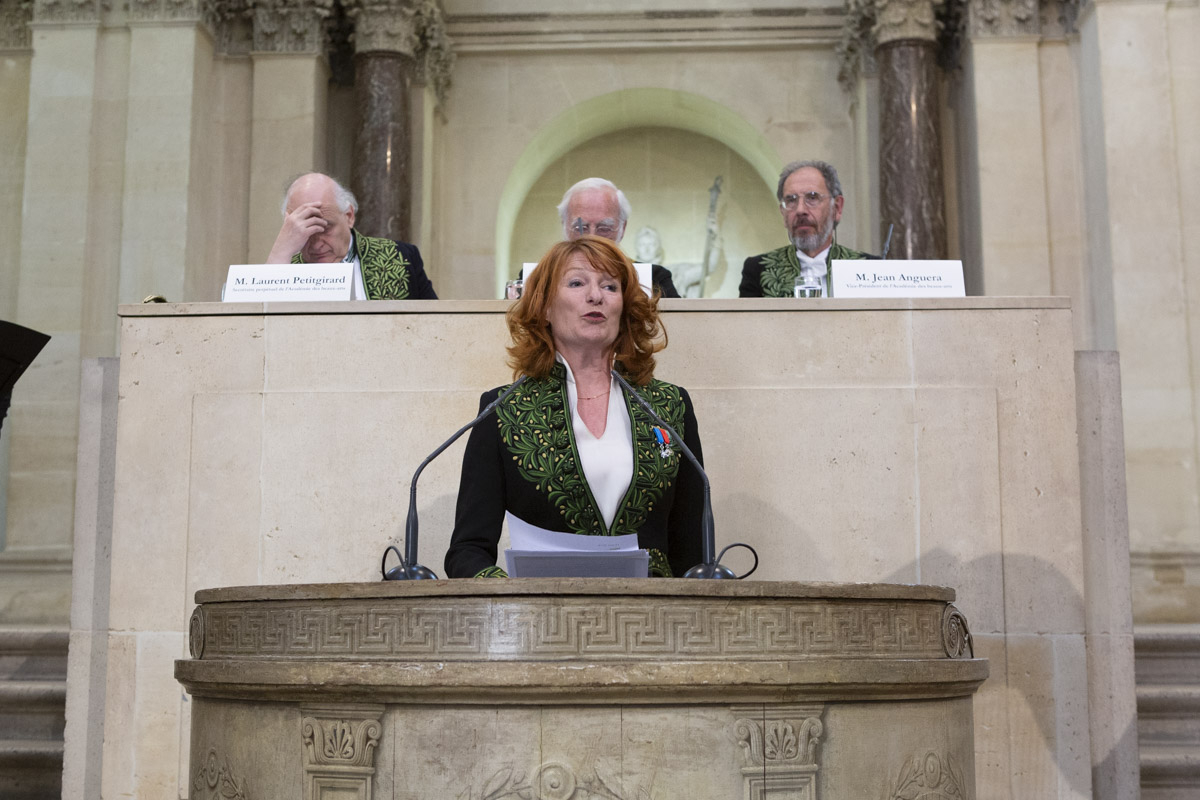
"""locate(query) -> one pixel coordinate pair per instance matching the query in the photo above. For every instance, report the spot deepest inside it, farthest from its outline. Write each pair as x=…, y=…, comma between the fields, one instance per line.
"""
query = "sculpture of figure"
x=648, y=246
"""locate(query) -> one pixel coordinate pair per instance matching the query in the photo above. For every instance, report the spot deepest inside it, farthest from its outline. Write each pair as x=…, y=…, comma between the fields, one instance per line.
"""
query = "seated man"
x=598, y=207
x=318, y=228
x=811, y=200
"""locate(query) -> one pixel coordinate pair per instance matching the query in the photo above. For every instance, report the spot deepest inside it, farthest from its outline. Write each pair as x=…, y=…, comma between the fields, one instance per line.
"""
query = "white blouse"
x=607, y=461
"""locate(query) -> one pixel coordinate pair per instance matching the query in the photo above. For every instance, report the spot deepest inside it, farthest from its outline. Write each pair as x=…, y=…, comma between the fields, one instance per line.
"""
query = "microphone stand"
x=408, y=569
x=710, y=567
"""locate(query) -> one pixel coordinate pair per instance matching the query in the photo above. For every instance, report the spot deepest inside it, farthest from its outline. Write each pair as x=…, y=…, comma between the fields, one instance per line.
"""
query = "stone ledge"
x=576, y=684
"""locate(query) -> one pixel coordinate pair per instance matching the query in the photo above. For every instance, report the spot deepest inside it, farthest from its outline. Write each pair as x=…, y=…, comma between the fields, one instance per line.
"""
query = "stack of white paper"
x=539, y=553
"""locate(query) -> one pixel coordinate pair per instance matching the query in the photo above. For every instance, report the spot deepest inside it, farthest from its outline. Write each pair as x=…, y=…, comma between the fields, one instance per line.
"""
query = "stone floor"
x=1167, y=664
x=33, y=691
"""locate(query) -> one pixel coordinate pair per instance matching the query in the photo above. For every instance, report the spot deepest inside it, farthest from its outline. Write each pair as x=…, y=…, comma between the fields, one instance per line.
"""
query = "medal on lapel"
x=664, y=442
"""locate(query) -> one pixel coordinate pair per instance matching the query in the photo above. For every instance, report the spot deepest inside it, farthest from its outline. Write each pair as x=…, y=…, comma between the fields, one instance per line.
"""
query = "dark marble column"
x=910, y=159
x=381, y=176
x=385, y=42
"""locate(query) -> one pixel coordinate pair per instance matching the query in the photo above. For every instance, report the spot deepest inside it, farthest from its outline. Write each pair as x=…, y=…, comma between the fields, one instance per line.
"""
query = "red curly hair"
x=641, y=333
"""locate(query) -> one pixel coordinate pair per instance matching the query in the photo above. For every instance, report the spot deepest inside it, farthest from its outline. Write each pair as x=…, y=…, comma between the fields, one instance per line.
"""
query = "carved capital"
x=1004, y=18
x=384, y=25
x=15, y=16
x=779, y=738
x=289, y=26
x=906, y=19
x=68, y=10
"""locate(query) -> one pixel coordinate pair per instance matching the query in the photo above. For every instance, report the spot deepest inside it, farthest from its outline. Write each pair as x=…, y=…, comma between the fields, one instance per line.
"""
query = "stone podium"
x=571, y=689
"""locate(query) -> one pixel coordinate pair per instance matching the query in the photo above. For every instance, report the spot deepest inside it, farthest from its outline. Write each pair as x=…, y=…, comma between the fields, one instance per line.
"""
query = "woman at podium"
x=569, y=450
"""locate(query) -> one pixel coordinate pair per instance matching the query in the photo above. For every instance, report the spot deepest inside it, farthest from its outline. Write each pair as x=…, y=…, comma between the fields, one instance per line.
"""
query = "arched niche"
x=622, y=111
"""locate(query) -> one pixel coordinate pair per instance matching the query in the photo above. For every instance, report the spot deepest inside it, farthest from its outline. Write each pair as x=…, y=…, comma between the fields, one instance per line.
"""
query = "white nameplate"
x=643, y=275
x=864, y=278
x=259, y=283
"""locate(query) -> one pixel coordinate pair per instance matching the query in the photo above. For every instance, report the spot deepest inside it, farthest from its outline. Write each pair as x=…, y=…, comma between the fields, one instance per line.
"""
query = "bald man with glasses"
x=811, y=200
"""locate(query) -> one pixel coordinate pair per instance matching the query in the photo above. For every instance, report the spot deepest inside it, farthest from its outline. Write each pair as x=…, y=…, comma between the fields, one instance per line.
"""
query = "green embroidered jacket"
x=391, y=270
x=525, y=460
x=774, y=274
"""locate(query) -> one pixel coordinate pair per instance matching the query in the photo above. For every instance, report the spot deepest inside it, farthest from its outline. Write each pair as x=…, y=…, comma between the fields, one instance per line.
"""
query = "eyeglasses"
x=811, y=200
x=605, y=228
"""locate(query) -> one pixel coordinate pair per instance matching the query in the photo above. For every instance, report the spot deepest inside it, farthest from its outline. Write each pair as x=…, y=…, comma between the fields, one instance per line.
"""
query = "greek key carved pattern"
x=214, y=780
x=552, y=780
x=929, y=777
x=503, y=631
x=15, y=16
x=1004, y=18
x=339, y=750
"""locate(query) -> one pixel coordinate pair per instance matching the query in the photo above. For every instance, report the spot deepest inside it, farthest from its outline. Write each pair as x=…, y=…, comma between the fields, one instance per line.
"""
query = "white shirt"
x=813, y=268
x=607, y=461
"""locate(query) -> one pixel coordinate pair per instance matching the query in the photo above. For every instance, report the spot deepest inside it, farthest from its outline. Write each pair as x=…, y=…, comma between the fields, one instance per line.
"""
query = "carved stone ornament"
x=15, y=16
x=214, y=780
x=929, y=777
x=289, y=26
x=196, y=633
x=383, y=25
x=68, y=10
x=780, y=747
x=636, y=629
x=956, y=635
x=550, y=781
x=340, y=742
x=436, y=56
x=906, y=19
x=1004, y=18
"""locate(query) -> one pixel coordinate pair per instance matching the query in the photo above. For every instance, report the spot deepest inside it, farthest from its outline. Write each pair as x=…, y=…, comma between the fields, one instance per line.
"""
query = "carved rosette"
x=780, y=748
x=552, y=780
x=955, y=634
x=339, y=749
x=906, y=19
x=289, y=26
x=929, y=777
x=214, y=780
x=15, y=16
x=1004, y=18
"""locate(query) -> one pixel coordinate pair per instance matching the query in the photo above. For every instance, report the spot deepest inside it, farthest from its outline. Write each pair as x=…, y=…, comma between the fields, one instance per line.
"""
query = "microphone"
x=887, y=244
x=408, y=569
x=711, y=566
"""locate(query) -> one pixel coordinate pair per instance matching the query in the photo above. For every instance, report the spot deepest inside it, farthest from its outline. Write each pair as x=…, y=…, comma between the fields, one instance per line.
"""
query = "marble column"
x=385, y=67
x=910, y=158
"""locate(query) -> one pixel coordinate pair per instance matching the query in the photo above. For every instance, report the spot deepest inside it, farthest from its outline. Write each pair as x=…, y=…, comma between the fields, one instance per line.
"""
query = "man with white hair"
x=318, y=228
x=598, y=207
x=810, y=199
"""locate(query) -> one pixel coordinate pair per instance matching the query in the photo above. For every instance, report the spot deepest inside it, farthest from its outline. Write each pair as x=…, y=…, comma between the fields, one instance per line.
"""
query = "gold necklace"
x=593, y=397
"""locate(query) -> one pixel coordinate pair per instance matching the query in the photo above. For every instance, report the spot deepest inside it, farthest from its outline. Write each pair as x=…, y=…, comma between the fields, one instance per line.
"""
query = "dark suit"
x=524, y=460
x=391, y=270
x=774, y=274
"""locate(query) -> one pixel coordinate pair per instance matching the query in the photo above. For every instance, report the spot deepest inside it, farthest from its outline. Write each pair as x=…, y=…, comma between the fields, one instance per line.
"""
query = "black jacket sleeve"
x=684, y=533
x=481, y=500
x=751, y=285
x=662, y=279
x=419, y=285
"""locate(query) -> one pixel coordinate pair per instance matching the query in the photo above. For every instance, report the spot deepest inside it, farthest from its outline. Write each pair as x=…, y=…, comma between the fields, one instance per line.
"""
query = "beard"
x=813, y=243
